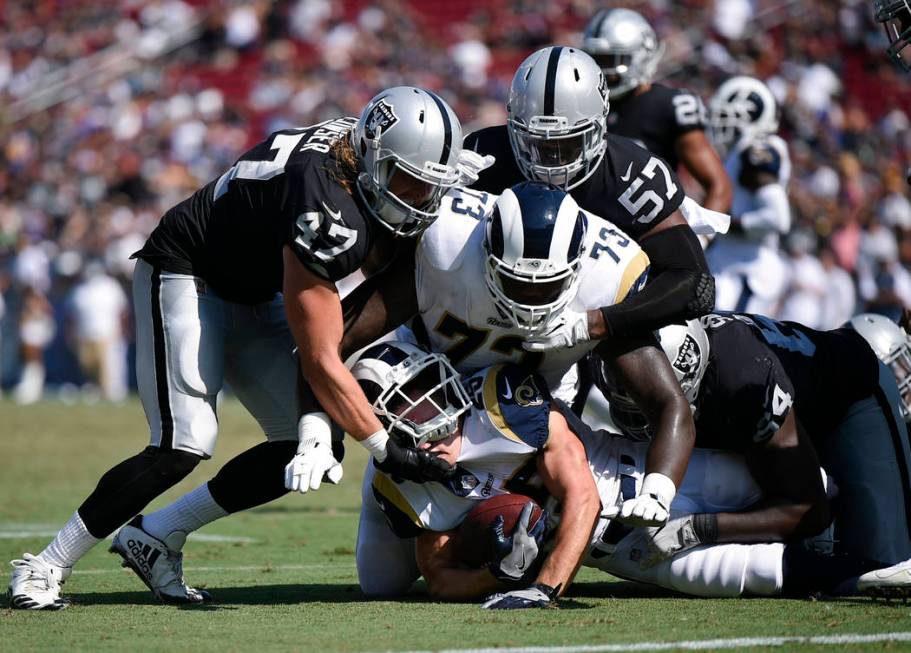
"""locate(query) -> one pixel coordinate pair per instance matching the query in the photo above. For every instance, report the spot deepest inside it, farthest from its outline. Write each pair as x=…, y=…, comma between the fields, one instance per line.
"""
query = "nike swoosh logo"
x=521, y=566
x=508, y=393
x=625, y=177
x=337, y=214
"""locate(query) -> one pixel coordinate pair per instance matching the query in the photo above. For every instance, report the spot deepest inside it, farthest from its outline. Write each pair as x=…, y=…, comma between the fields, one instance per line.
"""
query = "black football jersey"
x=759, y=369
x=656, y=118
x=231, y=232
x=631, y=187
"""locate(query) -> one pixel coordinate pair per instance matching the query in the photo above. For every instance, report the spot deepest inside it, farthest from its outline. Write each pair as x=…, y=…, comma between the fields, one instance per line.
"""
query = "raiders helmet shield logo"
x=687, y=361
x=380, y=119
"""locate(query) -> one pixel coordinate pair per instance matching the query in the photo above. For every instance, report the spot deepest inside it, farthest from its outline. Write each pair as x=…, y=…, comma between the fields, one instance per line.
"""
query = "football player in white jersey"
x=547, y=266
x=408, y=530
x=750, y=272
x=421, y=399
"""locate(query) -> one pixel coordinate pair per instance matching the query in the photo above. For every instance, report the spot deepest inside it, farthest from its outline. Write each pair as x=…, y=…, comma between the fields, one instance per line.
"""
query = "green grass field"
x=283, y=576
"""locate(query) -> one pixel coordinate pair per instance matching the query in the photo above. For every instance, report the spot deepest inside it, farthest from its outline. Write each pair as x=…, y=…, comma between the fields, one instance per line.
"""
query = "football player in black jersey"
x=224, y=287
x=753, y=380
x=557, y=132
x=668, y=122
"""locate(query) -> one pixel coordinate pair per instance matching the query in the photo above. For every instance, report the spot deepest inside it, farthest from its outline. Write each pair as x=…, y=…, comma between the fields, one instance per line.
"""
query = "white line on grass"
x=695, y=645
x=262, y=568
x=26, y=533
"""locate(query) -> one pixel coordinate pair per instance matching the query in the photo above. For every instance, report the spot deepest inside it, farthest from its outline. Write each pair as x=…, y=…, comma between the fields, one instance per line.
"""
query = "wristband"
x=312, y=428
x=661, y=487
x=376, y=444
x=705, y=525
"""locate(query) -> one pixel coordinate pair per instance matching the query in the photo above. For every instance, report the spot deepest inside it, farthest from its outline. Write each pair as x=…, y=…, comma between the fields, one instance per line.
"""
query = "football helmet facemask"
x=557, y=116
x=417, y=395
x=895, y=16
x=742, y=106
x=890, y=343
x=534, y=241
x=626, y=48
x=408, y=142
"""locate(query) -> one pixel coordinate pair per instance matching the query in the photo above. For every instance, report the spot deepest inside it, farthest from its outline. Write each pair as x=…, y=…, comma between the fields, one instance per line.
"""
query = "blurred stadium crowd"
x=111, y=113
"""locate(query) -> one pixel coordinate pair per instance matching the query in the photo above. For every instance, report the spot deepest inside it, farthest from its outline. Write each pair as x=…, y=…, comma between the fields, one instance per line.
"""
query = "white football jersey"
x=752, y=260
x=504, y=430
x=457, y=311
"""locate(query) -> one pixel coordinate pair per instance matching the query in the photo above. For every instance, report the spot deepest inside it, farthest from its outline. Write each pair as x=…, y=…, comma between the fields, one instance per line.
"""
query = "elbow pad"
x=703, y=300
x=773, y=213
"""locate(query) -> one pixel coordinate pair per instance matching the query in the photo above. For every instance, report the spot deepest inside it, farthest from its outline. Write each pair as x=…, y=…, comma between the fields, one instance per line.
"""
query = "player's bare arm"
x=315, y=318
x=446, y=580
x=679, y=286
x=700, y=158
x=564, y=470
x=379, y=305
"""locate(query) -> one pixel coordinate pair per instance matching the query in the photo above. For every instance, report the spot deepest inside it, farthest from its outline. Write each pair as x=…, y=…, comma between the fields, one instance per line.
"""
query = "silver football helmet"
x=408, y=142
x=557, y=116
x=687, y=348
x=626, y=48
x=890, y=343
x=416, y=394
x=535, y=243
x=895, y=16
x=742, y=106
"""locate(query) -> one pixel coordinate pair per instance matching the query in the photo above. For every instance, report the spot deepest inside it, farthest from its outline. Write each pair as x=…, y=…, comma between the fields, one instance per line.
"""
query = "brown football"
x=473, y=539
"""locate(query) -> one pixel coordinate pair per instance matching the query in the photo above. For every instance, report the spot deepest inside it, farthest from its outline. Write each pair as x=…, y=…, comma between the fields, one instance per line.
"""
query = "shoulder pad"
x=761, y=156
x=325, y=244
x=517, y=404
x=689, y=111
x=444, y=244
x=614, y=267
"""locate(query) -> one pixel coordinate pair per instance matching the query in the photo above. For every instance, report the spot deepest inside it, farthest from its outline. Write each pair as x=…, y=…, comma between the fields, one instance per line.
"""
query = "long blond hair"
x=346, y=166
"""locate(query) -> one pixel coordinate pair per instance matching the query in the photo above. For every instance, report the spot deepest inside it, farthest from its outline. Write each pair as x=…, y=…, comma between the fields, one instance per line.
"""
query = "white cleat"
x=35, y=584
x=891, y=583
x=159, y=566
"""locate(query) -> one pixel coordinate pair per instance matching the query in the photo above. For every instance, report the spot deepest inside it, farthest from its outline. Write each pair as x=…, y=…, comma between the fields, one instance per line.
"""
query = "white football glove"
x=314, y=459
x=651, y=506
x=570, y=329
x=471, y=164
x=675, y=536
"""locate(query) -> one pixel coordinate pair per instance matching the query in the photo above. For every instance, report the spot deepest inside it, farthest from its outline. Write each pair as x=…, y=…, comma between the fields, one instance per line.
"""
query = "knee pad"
x=703, y=300
x=173, y=464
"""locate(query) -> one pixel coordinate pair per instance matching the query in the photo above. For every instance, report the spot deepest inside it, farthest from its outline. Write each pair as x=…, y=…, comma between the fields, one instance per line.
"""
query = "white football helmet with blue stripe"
x=534, y=243
x=415, y=393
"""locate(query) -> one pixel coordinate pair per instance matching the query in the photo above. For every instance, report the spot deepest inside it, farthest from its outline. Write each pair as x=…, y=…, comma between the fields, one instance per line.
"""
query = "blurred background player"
x=99, y=309
x=668, y=122
x=750, y=272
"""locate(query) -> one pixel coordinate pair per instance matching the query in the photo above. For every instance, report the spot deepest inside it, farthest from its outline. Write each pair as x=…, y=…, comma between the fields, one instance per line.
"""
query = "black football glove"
x=414, y=465
x=538, y=595
x=514, y=555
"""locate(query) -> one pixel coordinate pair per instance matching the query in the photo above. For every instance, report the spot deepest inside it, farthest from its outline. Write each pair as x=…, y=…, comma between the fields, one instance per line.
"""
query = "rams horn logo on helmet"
x=528, y=394
x=380, y=119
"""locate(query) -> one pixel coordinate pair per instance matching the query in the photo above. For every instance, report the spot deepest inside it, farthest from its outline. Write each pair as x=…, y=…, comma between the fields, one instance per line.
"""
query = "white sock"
x=188, y=513
x=71, y=543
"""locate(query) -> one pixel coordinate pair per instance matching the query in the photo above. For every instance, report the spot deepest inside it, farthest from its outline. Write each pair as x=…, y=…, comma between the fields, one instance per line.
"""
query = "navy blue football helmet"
x=534, y=242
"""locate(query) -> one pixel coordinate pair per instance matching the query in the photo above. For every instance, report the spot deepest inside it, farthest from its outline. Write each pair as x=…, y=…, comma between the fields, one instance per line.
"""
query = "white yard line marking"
x=25, y=532
x=695, y=645
x=261, y=568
